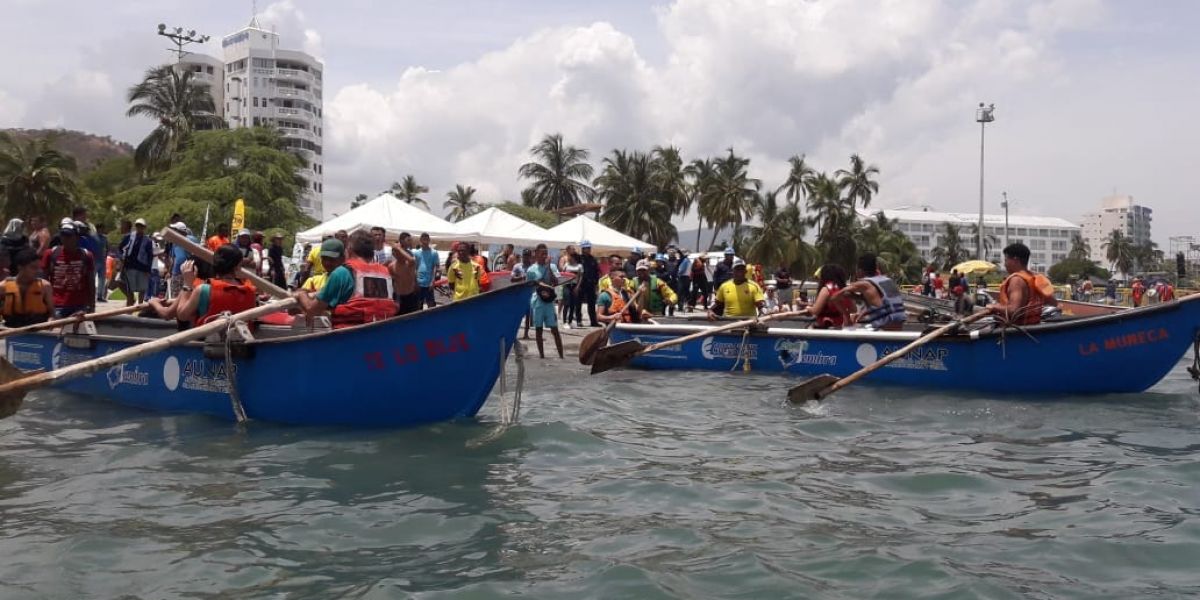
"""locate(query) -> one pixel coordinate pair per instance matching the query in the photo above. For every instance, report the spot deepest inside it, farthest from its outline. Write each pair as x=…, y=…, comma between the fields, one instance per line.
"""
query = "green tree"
x=633, y=204
x=701, y=176
x=898, y=255
x=857, y=184
x=835, y=219
x=528, y=213
x=179, y=104
x=461, y=202
x=358, y=201
x=989, y=240
x=214, y=170
x=770, y=243
x=730, y=194
x=1070, y=269
x=1118, y=249
x=669, y=178
x=35, y=178
x=796, y=185
x=1147, y=257
x=1080, y=248
x=558, y=175
x=950, y=249
x=409, y=191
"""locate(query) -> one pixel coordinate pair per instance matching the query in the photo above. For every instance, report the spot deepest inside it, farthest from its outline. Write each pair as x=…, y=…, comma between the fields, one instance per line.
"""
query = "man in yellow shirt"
x=464, y=274
x=738, y=297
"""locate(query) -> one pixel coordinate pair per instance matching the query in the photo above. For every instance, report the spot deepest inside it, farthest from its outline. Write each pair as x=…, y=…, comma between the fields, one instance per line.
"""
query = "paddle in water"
x=821, y=386
x=611, y=357
x=15, y=383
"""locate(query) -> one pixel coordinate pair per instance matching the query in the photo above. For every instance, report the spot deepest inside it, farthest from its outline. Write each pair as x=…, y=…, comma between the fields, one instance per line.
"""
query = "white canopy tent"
x=602, y=237
x=494, y=226
x=386, y=211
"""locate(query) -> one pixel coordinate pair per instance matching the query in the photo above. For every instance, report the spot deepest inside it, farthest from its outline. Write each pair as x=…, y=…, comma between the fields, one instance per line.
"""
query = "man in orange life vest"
x=1023, y=294
x=357, y=291
x=615, y=298
x=27, y=298
x=224, y=292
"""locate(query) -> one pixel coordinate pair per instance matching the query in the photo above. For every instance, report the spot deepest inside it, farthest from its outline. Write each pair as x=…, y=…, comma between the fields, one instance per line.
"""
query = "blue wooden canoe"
x=430, y=366
x=1128, y=351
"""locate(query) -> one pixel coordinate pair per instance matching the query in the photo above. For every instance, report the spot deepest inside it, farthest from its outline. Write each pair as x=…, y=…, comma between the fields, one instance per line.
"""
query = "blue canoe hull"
x=1124, y=352
x=430, y=366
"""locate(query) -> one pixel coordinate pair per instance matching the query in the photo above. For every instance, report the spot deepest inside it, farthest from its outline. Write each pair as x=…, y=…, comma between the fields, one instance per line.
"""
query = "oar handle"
x=707, y=332
x=917, y=343
x=88, y=367
x=206, y=255
x=96, y=316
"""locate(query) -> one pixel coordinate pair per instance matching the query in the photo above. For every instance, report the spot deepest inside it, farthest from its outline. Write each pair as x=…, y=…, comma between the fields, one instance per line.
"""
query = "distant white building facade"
x=1117, y=212
x=1048, y=238
x=256, y=83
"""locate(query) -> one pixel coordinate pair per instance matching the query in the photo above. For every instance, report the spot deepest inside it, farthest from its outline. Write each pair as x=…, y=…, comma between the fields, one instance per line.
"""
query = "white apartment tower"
x=1117, y=212
x=256, y=83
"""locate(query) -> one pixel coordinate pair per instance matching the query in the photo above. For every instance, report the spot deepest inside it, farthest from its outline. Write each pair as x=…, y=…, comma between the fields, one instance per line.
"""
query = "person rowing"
x=737, y=297
x=223, y=292
x=882, y=301
x=357, y=291
x=830, y=313
x=613, y=300
x=1023, y=294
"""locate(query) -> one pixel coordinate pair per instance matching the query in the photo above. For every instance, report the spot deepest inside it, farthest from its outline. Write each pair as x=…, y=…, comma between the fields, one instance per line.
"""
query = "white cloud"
x=12, y=109
x=290, y=23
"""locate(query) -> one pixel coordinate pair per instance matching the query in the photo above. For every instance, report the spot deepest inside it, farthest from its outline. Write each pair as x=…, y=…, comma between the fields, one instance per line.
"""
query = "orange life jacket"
x=31, y=308
x=224, y=296
x=372, y=299
x=485, y=280
x=1039, y=289
x=618, y=305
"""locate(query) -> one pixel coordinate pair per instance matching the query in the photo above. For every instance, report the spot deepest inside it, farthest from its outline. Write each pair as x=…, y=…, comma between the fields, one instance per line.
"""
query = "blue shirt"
x=537, y=272
x=427, y=262
x=179, y=255
x=685, y=267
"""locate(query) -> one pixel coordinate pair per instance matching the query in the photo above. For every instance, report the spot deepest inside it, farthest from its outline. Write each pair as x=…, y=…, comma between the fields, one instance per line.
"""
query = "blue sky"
x=1091, y=96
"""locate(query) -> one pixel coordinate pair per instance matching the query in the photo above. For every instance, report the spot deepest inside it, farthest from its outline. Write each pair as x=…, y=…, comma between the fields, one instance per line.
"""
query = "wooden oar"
x=599, y=338
x=16, y=385
x=817, y=388
x=610, y=357
x=96, y=316
x=206, y=255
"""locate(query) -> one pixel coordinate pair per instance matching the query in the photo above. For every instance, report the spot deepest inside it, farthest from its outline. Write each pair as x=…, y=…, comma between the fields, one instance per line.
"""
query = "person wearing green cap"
x=357, y=291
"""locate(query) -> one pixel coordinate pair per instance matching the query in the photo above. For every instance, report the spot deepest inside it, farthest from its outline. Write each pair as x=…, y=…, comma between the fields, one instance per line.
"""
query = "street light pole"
x=1005, y=205
x=181, y=38
x=983, y=116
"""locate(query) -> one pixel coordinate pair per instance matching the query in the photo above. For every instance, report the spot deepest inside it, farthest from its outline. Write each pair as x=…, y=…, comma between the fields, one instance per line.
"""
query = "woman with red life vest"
x=223, y=293
x=830, y=312
x=1023, y=294
x=358, y=289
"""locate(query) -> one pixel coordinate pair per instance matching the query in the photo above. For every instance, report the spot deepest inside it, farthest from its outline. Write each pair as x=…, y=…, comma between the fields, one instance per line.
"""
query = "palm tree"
x=558, y=174
x=461, y=202
x=180, y=104
x=701, y=174
x=358, y=201
x=1147, y=256
x=632, y=201
x=989, y=240
x=768, y=243
x=409, y=191
x=1080, y=249
x=949, y=250
x=797, y=180
x=1118, y=249
x=898, y=255
x=834, y=217
x=857, y=183
x=35, y=179
x=732, y=193
x=670, y=178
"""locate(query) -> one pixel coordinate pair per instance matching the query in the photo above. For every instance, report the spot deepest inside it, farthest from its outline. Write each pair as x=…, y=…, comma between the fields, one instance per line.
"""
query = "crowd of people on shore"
x=359, y=277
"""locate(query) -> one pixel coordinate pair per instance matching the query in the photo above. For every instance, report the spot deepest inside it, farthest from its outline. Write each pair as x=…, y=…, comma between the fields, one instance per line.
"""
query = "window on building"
x=1022, y=231
x=256, y=101
x=208, y=70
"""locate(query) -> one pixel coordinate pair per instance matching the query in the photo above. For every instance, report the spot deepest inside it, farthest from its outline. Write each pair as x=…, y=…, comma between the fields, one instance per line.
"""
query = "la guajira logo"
x=1123, y=342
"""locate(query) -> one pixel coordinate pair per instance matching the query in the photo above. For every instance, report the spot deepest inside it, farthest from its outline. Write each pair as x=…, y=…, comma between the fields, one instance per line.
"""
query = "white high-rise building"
x=1048, y=238
x=1117, y=212
x=256, y=83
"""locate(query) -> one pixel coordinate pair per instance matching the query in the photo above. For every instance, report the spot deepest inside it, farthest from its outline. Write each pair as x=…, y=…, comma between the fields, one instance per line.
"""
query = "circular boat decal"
x=866, y=354
x=171, y=373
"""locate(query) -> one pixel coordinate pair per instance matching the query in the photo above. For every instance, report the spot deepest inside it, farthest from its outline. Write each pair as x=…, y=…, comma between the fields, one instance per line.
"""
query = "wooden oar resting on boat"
x=206, y=255
x=817, y=388
x=16, y=383
x=610, y=357
x=96, y=316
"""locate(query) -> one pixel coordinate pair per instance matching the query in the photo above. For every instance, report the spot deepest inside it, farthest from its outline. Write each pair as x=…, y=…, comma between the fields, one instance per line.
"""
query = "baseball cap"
x=585, y=244
x=643, y=264
x=179, y=226
x=728, y=251
x=277, y=236
x=737, y=262
x=67, y=227
x=66, y=221
x=332, y=248
x=636, y=250
x=243, y=232
x=141, y=222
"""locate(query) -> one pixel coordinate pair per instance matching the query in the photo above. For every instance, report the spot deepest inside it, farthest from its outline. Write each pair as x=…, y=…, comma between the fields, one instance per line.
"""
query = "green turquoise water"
x=635, y=485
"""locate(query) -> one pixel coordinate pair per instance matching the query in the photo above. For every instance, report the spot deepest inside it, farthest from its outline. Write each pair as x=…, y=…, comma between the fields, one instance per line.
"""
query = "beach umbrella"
x=972, y=267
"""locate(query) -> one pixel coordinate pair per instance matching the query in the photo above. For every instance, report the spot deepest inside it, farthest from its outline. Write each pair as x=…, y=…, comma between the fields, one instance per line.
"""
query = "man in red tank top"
x=72, y=274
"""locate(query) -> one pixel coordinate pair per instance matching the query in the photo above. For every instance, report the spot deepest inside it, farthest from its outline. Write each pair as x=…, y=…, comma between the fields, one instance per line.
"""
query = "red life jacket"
x=833, y=315
x=372, y=299
x=224, y=296
x=1038, y=289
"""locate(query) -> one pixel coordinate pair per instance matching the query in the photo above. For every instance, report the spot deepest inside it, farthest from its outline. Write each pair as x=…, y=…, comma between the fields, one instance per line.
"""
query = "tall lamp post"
x=983, y=116
x=181, y=38
x=1005, y=205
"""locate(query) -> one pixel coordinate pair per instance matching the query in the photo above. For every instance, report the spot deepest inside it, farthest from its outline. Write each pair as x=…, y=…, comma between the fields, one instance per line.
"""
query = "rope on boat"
x=741, y=357
x=509, y=410
x=1194, y=370
x=503, y=369
x=515, y=408
x=239, y=411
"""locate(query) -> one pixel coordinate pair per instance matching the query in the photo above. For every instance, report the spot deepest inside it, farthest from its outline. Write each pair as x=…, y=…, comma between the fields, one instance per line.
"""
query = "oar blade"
x=811, y=388
x=611, y=357
x=590, y=344
x=9, y=403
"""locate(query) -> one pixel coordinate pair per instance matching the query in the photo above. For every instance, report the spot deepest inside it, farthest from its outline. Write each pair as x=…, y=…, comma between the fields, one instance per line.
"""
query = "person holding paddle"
x=615, y=298
x=224, y=292
x=882, y=301
x=1023, y=294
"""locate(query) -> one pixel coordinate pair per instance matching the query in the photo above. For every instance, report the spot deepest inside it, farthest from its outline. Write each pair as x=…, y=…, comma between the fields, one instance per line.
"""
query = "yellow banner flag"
x=239, y=216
